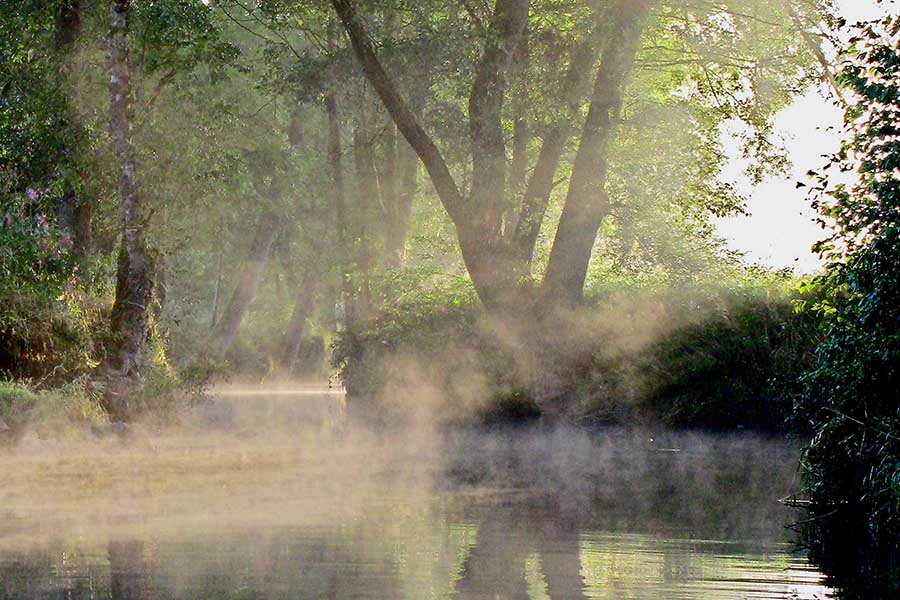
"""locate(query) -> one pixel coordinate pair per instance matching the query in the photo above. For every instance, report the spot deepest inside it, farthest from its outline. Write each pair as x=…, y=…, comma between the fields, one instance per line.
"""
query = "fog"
x=250, y=460
x=276, y=492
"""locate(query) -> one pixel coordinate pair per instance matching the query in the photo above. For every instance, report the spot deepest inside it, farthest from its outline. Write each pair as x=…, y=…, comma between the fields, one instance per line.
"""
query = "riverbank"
x=712, y=359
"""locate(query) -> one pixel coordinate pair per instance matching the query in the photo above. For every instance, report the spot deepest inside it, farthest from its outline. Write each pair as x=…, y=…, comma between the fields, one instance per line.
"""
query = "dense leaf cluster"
x=851, y=398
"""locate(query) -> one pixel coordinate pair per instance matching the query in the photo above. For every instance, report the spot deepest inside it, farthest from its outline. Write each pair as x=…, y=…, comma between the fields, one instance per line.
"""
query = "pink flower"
x=8, y=218
x=67, y=241
x=32, y=193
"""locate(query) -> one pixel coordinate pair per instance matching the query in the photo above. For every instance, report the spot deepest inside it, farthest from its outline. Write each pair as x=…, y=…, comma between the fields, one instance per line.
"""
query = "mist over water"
x=272, y=495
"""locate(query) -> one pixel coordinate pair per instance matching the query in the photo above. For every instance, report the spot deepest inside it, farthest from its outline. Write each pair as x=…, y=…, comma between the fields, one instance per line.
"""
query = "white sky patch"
x=781, y=227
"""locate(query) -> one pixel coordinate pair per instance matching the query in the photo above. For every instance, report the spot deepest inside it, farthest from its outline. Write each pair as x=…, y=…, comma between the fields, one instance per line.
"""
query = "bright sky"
x=780, y=229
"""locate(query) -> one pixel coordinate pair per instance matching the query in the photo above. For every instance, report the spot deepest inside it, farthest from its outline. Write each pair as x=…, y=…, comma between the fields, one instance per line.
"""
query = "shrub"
x=698, y=358
x=16, y=401
x=424, y=342
x=53, y=339
x=852, y=465
x=737, y=368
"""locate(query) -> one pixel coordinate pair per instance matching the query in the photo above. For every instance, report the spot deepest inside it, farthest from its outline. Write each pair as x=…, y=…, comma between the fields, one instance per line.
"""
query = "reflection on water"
x=268, y=498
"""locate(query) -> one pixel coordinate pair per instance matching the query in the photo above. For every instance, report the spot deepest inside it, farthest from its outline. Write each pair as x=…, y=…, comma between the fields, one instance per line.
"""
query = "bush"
x=720, y=360
x=852, y=465
x=397, y=352
x=736, y=369
x=16, y=401
x=53, y=339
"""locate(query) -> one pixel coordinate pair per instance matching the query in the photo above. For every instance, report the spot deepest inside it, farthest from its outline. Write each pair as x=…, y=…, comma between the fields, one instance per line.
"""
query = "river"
x=268, y=494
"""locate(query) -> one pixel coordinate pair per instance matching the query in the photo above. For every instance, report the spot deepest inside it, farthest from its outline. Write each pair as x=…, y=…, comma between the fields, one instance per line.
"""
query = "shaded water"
x=268, y=497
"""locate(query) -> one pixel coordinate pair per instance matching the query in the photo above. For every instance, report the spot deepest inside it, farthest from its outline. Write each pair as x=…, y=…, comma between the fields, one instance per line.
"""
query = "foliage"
x=738, y=367
x=384, y=354
x=701, y=356
x=36, y=148
x=853, y=463
x=15, y=401
x=55, y=338
x=35, y=257
x=229, y=126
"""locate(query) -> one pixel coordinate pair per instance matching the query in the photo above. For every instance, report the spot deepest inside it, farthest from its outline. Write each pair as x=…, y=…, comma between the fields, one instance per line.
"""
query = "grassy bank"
x=70, y=409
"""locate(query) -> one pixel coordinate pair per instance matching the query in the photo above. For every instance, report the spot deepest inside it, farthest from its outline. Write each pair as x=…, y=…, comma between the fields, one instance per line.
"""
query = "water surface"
x=270, y=496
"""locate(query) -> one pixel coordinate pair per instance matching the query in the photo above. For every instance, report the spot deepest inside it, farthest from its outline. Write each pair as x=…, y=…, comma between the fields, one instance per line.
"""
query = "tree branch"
x=816, y=49
x=403, y=116
x=485, y=103
x=540, y=185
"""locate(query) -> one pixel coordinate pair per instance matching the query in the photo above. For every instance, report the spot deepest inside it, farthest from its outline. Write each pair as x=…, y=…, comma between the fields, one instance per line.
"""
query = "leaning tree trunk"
x=536, y=196
x=249, y=278
x=134, y=280
x=587, y=203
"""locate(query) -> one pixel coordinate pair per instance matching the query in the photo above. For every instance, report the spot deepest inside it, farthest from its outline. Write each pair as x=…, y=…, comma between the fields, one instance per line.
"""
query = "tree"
x=177, y=38
x=496, y=222
x=587, y=203
x=850, y=400
x=134, y=277
x=74, y=211
x=477, y=218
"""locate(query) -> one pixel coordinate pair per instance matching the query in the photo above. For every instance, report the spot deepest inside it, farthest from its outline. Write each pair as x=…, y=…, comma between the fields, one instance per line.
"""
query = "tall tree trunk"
x=486, y=136
x=134, y=288
x=408, y=168
x=587, y=202
x=367, y=196
x=536, y=196
x=217, y=294
x=390, y=197
x=518, y=168
x=74, y=212
x=406, y=171
x=82, y=228
x=303, y=305
x=68, y=25
x=338, y=194
x=394, y=230
x=495, y=268
x=249, y=278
